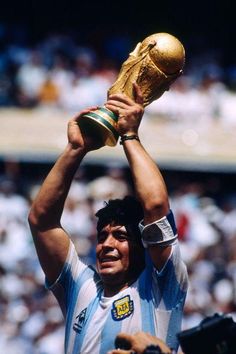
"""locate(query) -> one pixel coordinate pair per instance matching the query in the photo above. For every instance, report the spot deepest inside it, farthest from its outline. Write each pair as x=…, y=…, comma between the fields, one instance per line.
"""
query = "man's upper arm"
x=159, y=255
x=52, y=246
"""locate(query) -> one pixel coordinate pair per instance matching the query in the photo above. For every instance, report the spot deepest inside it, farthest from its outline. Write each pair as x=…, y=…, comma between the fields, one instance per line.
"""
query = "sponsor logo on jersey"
x=80, y=319
x=122, y=308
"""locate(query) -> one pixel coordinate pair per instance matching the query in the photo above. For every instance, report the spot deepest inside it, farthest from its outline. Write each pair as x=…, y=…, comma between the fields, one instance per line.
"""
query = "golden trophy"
x=154, y=64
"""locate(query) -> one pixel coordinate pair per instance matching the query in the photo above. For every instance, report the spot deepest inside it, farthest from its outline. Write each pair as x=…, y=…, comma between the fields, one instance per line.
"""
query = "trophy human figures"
x=154, y=65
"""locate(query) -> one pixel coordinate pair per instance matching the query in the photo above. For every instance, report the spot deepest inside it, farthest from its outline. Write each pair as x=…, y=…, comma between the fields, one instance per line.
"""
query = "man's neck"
x=112, y=289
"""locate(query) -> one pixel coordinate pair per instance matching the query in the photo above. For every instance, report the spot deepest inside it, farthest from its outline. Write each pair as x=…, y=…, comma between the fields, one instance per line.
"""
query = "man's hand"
x=129, y=111
x=75, y=136
x=138, y=342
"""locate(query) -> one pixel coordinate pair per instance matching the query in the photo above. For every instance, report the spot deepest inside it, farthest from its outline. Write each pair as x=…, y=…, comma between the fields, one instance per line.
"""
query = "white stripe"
x=162, y=318
x=133, y=321
x=92, y=339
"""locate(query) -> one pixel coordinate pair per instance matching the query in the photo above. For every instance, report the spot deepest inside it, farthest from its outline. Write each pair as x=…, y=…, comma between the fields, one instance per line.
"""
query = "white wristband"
x=161, y=232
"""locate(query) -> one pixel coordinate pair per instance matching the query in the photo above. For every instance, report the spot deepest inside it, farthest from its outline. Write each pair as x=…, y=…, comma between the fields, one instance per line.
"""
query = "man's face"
x=112, y=251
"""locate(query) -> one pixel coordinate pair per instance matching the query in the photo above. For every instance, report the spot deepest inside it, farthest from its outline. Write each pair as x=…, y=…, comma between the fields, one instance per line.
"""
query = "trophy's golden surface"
x=154, y=64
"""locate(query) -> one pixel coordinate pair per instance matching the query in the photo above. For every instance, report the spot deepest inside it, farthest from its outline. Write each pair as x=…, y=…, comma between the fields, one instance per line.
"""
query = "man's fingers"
x=125, y=339
x=120, y=97
x=115, y=103
x=84, y=111
x=112, y=108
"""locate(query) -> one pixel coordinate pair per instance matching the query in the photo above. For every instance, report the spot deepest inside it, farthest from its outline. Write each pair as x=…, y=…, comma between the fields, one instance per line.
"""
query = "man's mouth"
x=107, y=258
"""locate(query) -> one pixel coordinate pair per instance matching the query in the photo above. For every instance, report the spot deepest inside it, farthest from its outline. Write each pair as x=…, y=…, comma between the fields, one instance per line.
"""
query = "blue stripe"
x=174, y=327
x=171, y=219
x=146, y=300
x=170, y=291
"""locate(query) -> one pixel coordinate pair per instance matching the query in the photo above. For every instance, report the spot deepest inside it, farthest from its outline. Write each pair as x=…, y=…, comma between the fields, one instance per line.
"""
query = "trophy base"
x=100, y=124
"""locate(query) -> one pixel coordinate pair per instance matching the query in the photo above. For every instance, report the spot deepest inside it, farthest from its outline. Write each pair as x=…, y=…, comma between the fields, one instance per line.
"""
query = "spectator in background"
x=111, y=185
x=31, y=76
x=48, y=94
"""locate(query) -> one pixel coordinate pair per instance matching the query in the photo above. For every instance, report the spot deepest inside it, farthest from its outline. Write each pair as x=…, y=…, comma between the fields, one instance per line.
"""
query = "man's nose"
x=110, y=241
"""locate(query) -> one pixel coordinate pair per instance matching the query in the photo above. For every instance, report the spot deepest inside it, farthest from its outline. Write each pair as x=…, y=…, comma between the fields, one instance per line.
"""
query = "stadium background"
x=190, y=132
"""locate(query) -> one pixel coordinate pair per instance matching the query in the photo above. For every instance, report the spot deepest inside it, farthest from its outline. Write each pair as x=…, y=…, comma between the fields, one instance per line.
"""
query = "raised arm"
x=148, y=181
x=51, y=241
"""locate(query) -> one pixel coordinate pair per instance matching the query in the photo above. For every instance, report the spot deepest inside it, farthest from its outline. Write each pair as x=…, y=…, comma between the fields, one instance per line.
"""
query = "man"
x=124, y=293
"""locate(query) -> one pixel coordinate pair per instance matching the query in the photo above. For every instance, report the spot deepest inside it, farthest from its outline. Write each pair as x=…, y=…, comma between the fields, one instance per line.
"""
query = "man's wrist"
x=73, y=150
x=128, y=136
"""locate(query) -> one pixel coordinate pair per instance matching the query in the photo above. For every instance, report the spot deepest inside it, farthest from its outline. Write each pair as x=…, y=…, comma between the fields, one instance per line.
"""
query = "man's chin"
x=108, y=274
x=107, y=267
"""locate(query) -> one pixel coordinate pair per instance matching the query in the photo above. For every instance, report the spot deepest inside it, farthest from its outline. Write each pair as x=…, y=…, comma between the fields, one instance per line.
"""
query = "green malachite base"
x=100, y=124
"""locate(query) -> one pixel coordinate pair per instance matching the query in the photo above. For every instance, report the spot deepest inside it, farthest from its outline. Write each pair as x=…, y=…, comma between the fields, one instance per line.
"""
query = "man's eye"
x=121, y=237
x=101, y=238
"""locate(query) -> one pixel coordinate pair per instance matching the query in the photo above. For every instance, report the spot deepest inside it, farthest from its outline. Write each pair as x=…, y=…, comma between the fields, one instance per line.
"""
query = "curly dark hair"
x=127, y=211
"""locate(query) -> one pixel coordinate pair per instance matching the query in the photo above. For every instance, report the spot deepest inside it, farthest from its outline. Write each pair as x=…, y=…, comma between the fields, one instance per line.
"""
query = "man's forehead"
x=113, y=227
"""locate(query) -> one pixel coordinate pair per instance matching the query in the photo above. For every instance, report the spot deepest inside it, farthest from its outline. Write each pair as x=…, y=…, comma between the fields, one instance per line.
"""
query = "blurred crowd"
x=31, y=321
x=60, y=72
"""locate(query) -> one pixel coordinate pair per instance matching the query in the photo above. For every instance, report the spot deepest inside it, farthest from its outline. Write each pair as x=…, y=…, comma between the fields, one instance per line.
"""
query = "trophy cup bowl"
x=154, y=65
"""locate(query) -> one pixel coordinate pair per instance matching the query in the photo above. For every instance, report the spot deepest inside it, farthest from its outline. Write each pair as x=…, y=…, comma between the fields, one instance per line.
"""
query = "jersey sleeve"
x=75, y=274
x=170, y=284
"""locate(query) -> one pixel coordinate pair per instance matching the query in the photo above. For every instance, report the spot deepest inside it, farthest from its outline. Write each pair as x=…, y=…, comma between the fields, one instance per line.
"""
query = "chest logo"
x=80, y=319
x=122, y=308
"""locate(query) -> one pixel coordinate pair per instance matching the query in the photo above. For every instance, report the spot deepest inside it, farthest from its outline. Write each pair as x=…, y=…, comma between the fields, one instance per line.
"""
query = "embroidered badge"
x=77, y=327
x=122, y=308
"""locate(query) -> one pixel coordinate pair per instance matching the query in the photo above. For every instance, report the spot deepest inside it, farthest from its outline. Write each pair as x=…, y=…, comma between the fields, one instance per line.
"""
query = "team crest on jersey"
x=122, y=308
x=77, y=327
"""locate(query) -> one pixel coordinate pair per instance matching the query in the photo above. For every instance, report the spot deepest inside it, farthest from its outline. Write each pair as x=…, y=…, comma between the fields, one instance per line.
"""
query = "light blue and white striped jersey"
x=154, y=304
